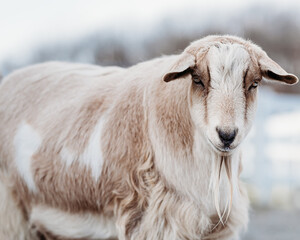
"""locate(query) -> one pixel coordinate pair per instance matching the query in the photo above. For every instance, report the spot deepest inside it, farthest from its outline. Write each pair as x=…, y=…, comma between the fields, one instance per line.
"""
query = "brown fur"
x=142, y=115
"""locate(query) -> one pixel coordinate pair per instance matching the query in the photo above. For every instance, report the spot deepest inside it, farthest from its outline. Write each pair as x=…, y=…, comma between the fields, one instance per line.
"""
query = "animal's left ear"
x=181, y=67
x=272, y=71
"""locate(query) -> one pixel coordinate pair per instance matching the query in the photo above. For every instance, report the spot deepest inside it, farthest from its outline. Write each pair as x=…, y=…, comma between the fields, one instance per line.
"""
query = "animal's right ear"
x=271, y=70
x=181, y=67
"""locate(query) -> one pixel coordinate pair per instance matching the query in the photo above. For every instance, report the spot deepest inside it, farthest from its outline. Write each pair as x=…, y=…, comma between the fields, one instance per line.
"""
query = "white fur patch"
x=67, y=156
x=26, y=143
x=92, y=155
x=226, y=100
x=74, y=226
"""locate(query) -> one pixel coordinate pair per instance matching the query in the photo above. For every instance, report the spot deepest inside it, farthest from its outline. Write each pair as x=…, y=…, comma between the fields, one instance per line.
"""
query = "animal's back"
x=50, y=96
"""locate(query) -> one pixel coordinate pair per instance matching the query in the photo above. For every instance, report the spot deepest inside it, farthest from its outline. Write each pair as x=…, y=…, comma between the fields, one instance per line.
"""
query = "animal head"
x=224, y=73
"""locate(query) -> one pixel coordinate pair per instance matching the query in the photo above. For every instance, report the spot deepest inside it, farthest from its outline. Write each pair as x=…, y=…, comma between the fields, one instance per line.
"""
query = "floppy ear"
x=272, y=71
x=181, y=67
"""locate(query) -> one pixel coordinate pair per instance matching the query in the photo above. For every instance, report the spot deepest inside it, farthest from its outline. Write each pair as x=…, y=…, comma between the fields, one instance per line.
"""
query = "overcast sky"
x=30, y=23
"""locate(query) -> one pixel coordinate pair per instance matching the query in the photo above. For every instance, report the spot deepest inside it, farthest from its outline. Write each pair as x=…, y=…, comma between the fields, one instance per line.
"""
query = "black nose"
x=227, y=137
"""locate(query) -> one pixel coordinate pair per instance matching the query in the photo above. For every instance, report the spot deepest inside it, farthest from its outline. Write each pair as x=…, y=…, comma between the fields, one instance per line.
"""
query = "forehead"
x=227, y=63
x=228, y=57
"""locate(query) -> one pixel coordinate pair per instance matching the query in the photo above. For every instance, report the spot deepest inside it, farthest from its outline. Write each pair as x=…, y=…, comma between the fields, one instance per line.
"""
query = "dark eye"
x=197, y=81
x=253, y=86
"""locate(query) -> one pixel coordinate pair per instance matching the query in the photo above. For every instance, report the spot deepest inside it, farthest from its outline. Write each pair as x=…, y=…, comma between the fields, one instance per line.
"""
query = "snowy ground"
x=273, y=225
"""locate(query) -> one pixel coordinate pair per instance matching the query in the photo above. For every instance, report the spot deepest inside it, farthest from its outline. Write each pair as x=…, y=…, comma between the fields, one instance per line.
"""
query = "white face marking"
x=74, y=226
x=226, y=103
x=26, y=143
x=92, y=156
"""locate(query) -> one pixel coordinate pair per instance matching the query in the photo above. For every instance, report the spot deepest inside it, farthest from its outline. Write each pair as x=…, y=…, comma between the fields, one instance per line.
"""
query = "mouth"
x=224, y=150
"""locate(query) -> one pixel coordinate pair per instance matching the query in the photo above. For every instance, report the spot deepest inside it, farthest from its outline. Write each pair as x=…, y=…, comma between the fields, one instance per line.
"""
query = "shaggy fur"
x=88, y=152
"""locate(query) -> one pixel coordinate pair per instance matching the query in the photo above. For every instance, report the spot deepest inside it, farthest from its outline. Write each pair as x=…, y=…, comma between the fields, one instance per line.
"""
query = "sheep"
x=146, y=152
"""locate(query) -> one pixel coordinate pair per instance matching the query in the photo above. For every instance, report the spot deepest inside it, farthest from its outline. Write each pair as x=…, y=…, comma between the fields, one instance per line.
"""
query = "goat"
x=147, y=152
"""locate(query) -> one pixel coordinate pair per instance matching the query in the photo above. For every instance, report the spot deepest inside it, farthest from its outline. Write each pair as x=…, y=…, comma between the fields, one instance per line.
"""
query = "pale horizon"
x=28, y=24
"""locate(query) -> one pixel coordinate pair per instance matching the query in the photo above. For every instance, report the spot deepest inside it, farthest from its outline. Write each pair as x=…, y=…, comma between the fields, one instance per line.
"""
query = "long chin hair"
x=221, y=164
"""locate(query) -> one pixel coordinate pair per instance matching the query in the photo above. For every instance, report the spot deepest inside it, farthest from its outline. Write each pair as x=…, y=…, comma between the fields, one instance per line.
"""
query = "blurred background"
x=126, y=32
